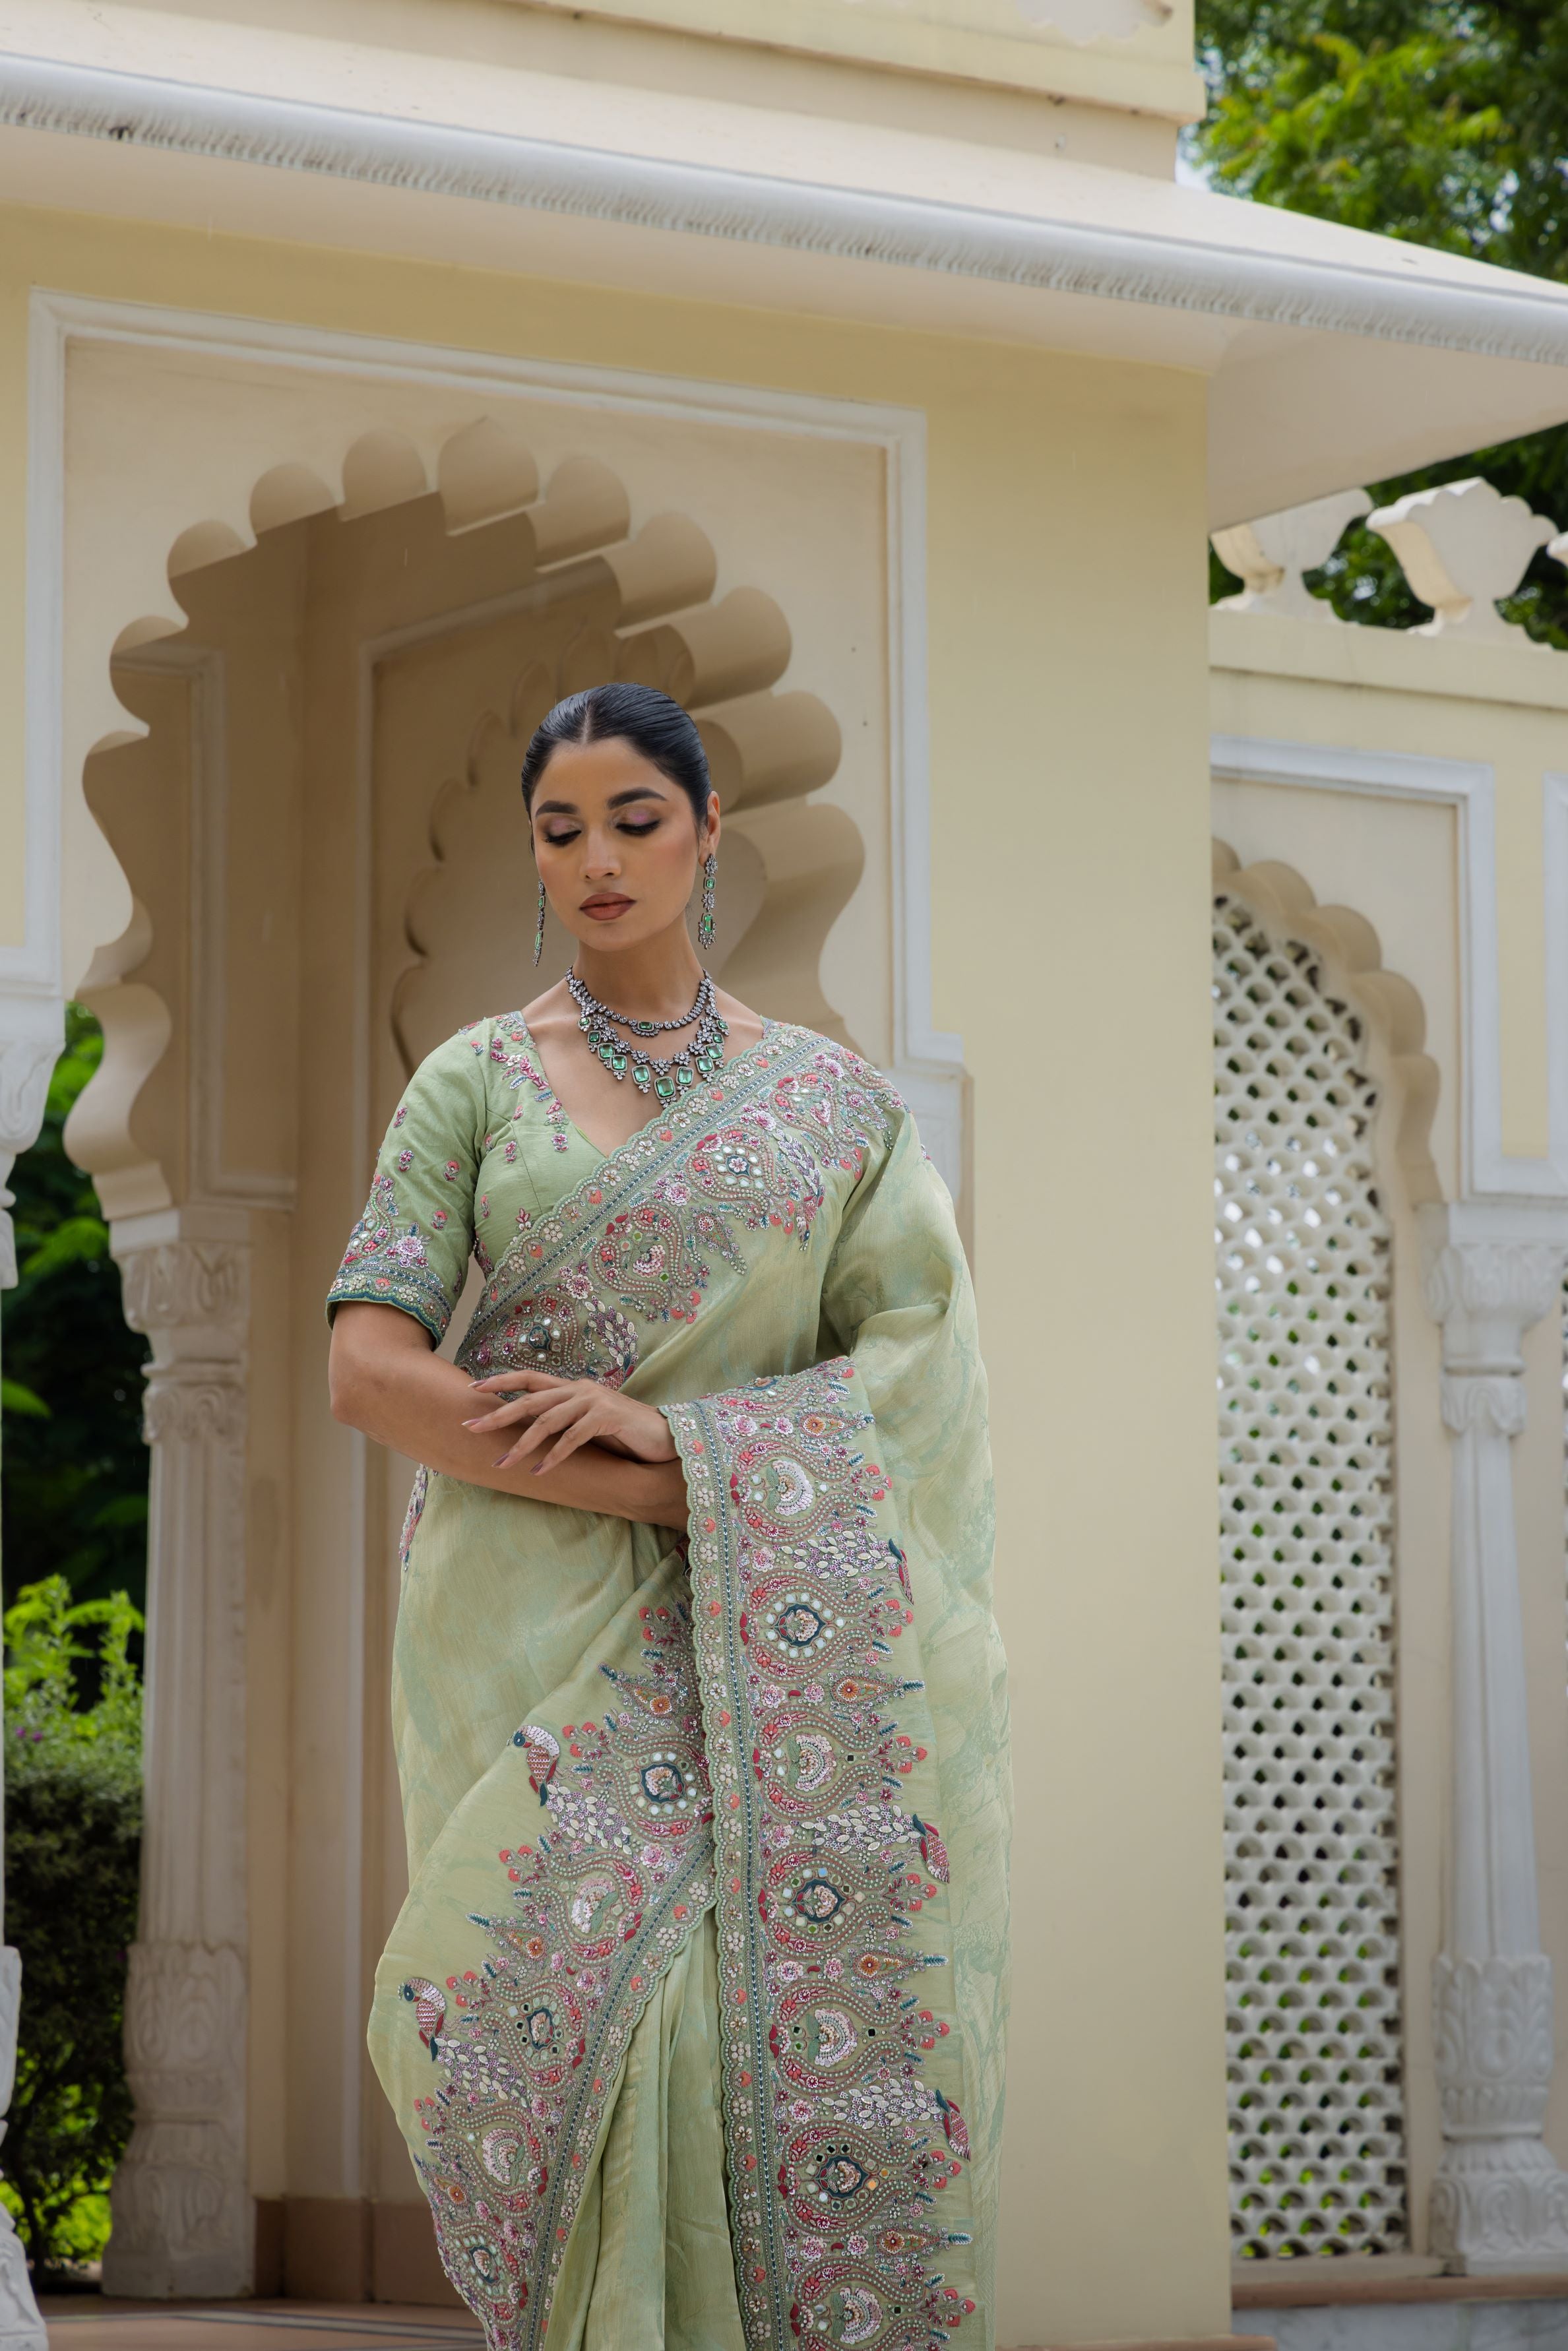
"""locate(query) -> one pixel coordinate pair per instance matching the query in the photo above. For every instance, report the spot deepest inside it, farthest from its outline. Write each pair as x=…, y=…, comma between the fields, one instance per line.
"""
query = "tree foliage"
x=73, y=1468
x=1431, y=120
x=73, y=1831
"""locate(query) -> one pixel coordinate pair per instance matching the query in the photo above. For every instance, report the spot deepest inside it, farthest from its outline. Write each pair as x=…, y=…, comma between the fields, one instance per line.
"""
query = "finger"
x=567, y=1444
x=543, y=1427
x=519, y=1409
x=520, y=1379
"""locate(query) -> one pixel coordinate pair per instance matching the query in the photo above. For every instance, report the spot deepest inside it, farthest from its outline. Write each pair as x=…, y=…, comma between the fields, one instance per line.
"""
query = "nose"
x=601, y=856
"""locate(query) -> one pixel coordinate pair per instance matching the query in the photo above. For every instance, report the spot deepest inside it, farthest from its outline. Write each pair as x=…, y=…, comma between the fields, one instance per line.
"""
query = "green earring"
x=704, y=920
x=539, y=927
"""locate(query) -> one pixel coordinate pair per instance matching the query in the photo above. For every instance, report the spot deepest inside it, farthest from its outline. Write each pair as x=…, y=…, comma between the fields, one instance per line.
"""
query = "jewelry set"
x=649, y=1073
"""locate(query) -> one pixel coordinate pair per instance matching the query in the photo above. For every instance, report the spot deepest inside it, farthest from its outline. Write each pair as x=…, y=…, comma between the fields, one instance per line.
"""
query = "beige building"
x=375, y=370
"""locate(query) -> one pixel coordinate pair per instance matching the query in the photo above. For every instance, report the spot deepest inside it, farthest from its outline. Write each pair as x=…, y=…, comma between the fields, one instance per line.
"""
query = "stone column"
x=183, y=2218
x=1498, y=2201
x=30, y=1034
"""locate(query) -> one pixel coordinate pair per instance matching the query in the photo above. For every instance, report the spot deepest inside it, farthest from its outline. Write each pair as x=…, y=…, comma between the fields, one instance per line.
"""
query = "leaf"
x=14, y=1397
x=77, y=1240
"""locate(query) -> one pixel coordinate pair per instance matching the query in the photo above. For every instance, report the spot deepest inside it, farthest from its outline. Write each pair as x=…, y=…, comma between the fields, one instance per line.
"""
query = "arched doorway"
x=319, y=841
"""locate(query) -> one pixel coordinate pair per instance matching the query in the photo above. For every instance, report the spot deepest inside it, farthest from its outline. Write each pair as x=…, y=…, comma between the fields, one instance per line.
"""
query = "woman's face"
x=616, y=844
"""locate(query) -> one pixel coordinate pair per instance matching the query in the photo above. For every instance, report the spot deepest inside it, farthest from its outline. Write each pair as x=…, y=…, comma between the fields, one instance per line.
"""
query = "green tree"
x=73, y=1830
x=73, y=1468
x=1441, y=124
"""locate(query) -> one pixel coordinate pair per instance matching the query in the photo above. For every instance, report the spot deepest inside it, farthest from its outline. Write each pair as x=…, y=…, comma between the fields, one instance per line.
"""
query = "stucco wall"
x=1071, y=831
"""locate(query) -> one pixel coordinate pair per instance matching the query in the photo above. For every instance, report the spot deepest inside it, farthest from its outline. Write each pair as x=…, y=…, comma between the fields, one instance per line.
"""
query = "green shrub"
x=73, y=1832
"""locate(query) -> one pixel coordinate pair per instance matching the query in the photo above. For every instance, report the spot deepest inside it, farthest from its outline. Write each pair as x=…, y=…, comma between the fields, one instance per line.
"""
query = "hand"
x=559, y=1415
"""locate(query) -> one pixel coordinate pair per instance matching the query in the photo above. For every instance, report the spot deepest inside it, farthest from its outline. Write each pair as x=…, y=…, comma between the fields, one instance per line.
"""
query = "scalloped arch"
x=653, y=617
x=1391, y=1006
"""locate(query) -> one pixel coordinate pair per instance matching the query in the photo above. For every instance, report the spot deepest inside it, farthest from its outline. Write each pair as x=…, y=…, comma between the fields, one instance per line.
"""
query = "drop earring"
x=539, y=928
x=704, y=920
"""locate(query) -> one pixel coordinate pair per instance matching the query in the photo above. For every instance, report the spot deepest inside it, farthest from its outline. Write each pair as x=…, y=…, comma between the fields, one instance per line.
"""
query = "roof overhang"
x=1332, y=357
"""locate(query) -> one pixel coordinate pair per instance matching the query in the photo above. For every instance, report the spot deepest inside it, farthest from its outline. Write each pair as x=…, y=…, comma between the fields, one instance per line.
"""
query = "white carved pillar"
x=182, y=2215
x=1498, y=2201
x=31, y=1032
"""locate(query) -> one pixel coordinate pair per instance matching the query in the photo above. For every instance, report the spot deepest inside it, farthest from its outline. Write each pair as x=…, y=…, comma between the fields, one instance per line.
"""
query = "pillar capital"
x=1488, y=1275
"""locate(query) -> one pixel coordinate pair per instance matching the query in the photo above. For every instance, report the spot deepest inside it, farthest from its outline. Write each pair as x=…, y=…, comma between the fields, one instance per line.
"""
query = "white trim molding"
x=1469, y=789
x=1345, y=288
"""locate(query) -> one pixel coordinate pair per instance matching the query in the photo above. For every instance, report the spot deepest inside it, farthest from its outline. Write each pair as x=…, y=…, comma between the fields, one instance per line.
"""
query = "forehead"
x=586, y=775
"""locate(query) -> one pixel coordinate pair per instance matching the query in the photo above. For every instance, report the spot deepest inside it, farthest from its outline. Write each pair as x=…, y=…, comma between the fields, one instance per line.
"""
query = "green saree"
x=693, y=2016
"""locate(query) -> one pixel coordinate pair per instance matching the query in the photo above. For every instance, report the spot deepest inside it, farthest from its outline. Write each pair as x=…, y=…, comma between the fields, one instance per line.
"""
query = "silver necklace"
x=668, y=1078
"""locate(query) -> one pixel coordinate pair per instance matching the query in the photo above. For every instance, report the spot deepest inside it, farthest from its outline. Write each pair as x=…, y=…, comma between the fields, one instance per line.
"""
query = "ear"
x=709, y=834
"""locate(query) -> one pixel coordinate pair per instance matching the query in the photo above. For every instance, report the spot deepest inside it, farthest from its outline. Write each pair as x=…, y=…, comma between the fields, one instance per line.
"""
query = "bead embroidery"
x=666, y=1210
x=529, y=2047
x=826, y=1883
x=412, y=1515
x=384, y=1266
x=509, y=1050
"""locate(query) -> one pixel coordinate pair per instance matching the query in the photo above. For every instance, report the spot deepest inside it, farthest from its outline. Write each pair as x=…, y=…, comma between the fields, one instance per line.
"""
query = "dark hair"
x=657, y=728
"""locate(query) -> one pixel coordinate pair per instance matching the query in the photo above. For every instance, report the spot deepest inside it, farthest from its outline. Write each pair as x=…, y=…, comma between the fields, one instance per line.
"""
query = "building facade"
x=859, y=373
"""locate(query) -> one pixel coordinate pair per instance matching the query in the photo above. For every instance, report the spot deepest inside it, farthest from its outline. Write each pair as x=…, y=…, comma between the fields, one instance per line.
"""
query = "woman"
x=694, y=2014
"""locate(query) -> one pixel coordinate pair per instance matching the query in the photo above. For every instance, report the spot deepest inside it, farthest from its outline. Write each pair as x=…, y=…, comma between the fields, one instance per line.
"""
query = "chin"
x=630, y=931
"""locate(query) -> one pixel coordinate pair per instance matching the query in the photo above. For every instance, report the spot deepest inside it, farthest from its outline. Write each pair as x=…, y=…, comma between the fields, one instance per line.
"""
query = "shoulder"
x=453, y=1083
x=449, y=1069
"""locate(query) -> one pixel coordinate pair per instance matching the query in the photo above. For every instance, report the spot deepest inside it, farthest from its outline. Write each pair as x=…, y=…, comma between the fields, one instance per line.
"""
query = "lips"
x=605, y=909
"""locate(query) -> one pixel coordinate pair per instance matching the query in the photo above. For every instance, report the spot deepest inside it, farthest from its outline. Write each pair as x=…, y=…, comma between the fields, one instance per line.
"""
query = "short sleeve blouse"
x=478, y=1147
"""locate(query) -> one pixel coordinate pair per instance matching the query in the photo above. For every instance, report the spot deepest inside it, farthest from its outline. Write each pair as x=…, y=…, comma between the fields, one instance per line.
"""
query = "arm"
x=387, y=1380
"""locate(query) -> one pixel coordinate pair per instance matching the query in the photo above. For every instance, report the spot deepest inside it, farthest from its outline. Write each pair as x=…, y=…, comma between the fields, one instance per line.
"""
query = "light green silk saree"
x=694, y=2015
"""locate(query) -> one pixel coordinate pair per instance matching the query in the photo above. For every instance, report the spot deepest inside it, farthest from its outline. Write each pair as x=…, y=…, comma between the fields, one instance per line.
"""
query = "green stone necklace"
x=666, y=1078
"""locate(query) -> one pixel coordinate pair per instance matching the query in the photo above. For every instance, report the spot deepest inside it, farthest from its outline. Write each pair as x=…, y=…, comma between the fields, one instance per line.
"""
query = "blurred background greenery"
x=1427, y=120
x=73, y=1467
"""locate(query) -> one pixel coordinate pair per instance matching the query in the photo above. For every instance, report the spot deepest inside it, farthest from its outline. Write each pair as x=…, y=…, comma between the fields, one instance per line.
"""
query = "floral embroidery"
x=567, y=1327
x=839, y=2147
x=412, y=1515
x=401, y=1114
x=685, y=1197
x=527, y=2048
x=405, y=1161
x=509, y=1045
x=386, y=1264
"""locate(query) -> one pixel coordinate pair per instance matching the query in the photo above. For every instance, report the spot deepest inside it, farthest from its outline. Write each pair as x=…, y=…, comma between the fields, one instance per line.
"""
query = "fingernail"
x=471, y=1424
x=498, y=1461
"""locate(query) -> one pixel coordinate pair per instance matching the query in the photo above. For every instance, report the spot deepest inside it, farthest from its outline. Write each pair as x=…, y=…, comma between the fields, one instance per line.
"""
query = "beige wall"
x=1070, y=846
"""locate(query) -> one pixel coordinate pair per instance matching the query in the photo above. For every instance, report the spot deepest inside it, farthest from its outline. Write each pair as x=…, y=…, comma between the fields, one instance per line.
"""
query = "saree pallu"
x=706, y=1931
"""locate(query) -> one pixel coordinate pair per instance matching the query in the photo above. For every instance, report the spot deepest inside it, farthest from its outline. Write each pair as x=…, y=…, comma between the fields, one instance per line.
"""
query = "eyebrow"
x=616, y=799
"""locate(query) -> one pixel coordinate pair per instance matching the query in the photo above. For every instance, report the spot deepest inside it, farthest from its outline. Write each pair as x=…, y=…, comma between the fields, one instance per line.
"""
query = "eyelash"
x=636, y=831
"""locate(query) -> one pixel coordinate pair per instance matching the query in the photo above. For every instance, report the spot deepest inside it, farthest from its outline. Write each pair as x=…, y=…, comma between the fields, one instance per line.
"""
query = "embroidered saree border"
x=838, y=2146
x=638, y=1233
x=598, y=1909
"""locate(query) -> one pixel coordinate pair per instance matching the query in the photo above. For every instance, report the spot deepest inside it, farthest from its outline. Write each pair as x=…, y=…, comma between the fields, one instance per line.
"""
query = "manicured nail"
x=472, y=1424
x=498, y=1461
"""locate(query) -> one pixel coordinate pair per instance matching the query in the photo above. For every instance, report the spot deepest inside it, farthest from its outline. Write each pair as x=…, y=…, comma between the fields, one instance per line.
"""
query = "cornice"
x=1152, y=266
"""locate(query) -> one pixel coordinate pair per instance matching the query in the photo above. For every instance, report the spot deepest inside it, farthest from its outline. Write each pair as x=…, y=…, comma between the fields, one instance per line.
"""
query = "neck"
x=654, y=981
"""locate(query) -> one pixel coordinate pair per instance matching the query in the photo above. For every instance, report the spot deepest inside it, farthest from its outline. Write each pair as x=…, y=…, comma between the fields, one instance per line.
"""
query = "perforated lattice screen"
x=1316, y=2126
